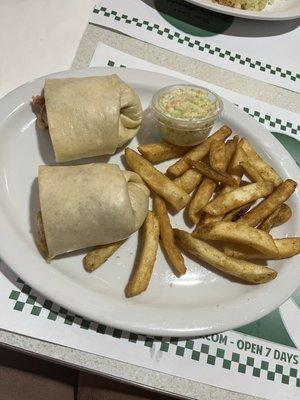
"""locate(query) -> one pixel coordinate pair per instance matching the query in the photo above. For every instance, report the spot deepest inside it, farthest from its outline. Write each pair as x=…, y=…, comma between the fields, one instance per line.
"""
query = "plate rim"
x=246, y=14
x=14, y=263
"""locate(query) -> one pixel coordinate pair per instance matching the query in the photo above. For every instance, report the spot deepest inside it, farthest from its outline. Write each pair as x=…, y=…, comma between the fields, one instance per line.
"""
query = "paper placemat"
x=268, y=51
x=260, y=359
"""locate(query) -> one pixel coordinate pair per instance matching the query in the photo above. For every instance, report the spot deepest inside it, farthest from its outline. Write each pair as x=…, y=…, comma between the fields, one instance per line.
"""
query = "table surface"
x=262, y=91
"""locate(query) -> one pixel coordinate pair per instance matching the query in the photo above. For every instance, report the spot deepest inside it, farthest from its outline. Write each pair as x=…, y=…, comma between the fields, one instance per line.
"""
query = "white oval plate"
x=279, y=10
x=201, y=302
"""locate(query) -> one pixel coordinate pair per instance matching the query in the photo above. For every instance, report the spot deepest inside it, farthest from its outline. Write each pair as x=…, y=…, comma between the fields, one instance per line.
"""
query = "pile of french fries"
x=207, y=181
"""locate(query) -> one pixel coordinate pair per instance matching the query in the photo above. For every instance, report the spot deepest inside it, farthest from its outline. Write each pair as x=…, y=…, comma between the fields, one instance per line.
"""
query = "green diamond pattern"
x=180, y=351
x=31, y=299
x=250, y=361
x=19, y=306
x=211, y=359
x=266, y=119
x=227, y=364
x=220, y=353
x=273, y=122
x=26, y=299
x=14, y=295
x=186, y=40
x=149, y=342
x=101, y=329
x=69, y=320
x=86, y=324
x=189, y=344
x=293, y=372
x=133, y=337
x=265, y=366
x=164, y=346
x=117, y=333
x=279, y=369
x=52, y=315
x=242, y=368
x=271, y=376
x=285, y=379
x=36, y=310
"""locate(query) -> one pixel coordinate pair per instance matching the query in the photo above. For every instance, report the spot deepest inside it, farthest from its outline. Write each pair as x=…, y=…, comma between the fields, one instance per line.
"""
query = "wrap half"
x=89, y=205
x=88, y=116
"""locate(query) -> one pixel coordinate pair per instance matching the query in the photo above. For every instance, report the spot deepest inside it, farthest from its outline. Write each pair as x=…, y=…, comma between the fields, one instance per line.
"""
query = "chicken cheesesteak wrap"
x=89, y=116
x=89, y=205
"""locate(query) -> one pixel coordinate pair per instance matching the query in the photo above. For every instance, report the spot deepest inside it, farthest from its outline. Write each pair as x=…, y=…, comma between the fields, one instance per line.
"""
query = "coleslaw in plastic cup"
x=185, y=114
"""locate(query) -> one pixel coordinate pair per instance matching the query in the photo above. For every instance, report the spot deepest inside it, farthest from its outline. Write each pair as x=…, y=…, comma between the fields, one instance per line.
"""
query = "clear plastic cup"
x=184, y=131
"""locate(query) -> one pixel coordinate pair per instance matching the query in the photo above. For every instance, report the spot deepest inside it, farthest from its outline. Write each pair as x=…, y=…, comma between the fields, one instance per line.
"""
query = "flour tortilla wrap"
x=90, y=116
x=89, y=205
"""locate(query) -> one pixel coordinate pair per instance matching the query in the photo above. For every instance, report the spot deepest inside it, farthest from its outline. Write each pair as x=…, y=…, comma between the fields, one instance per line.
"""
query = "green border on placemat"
x=196, y=44
x=26, y=300
x=270, y=327
x=269, y=121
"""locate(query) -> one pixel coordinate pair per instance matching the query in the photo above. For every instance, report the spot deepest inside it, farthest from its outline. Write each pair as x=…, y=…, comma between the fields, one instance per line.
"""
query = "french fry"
x=41, y=238
x=226, y=202
x=200, y=199
x=95, y=258
x=159, y=152
x=241, y=269
x=208, y=219
x=157, y=181
x=265, y=170
x=237, y=212
x=198, y=152
x=142, y=272
x=234, y=168
x=167, y=237
x=267, y=206
x=278, y=217
x=217, y=155
x=242, y=252
x=232, y=215
x=225, y=189
x=287, y=247
x=189, y=180
x=251, y=171
x=207, y=187
x=230, y=149
x=238, y=233
x=211, y=173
